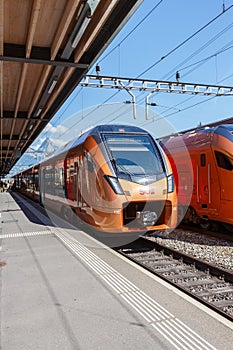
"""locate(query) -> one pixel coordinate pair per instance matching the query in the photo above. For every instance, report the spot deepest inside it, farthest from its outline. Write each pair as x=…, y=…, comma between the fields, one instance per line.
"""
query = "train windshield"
x=135, y=157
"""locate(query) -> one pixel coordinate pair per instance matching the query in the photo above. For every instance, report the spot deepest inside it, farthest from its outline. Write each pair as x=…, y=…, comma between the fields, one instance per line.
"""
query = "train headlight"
x=115, y=184
x=170, y=183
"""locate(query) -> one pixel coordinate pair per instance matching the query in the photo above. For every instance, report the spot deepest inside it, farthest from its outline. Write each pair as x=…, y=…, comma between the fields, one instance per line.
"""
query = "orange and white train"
x=202, y=162
x=115, y=178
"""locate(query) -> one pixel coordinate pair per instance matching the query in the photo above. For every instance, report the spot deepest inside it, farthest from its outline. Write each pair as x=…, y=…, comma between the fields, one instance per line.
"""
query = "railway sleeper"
x=165, y=260
x=164, y=266
x=217, y=290
x=188, y=278
x=199, y=282
x=165, y=271
x=190, y=274
x=222, y=303
x=180, y=271
x=150, y=258
x=221, y=296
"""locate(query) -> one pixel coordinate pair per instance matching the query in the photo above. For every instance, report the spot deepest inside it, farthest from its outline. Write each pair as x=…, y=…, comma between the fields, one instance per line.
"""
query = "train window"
x=59, y=176
x=36, y=181
x=49, y=179
x=135, y=157
x=203, y=159
x=224, y=161
x=90, y=162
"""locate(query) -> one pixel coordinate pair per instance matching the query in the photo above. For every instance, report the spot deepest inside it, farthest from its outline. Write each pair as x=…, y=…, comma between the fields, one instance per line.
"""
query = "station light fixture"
x=39, y=111
x=52, y=85
x=31, y=125
x=84, y=19
x=80, y=33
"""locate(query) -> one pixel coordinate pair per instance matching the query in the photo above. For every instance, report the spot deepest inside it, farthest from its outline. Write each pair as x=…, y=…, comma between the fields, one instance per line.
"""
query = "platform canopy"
x=46, y=47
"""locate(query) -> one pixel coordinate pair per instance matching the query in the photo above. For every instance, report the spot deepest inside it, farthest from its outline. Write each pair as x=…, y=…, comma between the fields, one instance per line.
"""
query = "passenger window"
x=90, y=162
x=223, y=161
x=203, y=159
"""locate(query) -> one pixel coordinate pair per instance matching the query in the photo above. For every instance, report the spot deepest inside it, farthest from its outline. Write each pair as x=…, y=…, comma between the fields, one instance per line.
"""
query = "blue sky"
x=151, y=33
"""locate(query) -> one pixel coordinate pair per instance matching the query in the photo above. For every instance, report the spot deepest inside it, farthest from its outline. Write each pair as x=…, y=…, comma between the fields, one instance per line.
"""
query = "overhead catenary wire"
x=170, y=74
x=196, y=65
x=184, y=109
x=132, y=31
x=204, y=46
x=204, y=60
x=178, y=46
x=183, y=42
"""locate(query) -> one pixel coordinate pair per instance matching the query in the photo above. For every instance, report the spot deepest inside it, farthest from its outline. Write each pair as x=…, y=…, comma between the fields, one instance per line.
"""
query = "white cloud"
x=60, y=129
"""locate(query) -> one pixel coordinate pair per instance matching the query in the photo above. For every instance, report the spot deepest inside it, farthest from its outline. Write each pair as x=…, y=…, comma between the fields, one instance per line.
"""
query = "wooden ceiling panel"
x=11, y=79
x=49, y=17
x=17, y=15
x=7, y=125
x=18, y=126
x=34, y=72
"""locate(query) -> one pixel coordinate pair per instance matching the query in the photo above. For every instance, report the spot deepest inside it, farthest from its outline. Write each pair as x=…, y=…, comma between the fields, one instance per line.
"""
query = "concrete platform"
x=62, y=289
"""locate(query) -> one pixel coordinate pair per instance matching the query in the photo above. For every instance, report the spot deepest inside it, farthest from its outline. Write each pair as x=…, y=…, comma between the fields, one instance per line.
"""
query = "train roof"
x=200, y=136
x=225, y=130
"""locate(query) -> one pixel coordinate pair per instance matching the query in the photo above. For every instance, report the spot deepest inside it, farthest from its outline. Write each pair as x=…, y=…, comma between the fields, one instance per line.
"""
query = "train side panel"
x=211, y=172
x=223, y=154
x=182, y=168
x=28, y=183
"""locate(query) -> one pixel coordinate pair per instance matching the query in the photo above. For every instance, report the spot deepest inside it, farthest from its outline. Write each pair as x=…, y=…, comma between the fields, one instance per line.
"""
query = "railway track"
x=205, y=282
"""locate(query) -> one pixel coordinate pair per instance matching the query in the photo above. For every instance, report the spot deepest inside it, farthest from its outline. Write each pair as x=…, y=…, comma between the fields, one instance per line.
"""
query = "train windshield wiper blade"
x=125, y=170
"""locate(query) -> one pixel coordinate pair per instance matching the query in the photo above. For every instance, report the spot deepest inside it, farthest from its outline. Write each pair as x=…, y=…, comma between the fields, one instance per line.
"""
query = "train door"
x=225, y=171
x=79, y=181
x=184, y=183
x=42, y=185
x=75, y=180
x=207, y=191
x=71, y=179
x=86, y=180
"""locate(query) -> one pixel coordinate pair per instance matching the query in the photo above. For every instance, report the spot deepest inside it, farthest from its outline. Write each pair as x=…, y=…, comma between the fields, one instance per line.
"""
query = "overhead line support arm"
x=130, y=84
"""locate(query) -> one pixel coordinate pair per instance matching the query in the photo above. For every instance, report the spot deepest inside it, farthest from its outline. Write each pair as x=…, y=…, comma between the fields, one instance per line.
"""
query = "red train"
x=203, y=164
x=115, y=178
